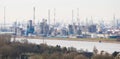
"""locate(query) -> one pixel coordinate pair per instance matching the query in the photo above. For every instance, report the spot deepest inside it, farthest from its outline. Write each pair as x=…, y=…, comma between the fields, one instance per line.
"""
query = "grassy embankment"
x=106, y=40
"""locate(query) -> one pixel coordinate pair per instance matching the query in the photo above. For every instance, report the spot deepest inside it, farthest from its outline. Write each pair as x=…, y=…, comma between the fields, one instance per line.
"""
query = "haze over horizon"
x=22, y=10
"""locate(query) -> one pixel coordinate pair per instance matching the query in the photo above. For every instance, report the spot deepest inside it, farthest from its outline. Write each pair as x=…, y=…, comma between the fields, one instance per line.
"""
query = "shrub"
x=70, y=55
x=36, y=57
x=103, y=57
x=55, y=56
x=80, y=57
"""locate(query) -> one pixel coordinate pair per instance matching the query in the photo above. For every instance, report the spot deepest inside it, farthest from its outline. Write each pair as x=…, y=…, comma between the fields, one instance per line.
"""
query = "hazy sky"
x=21, y=10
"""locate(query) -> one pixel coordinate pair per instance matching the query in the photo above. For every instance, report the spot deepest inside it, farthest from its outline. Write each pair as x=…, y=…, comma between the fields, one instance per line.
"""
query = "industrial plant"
x=74, y=30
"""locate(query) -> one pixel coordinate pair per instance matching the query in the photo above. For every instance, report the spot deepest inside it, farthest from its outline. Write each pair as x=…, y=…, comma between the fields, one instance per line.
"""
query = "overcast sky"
x=21, y=10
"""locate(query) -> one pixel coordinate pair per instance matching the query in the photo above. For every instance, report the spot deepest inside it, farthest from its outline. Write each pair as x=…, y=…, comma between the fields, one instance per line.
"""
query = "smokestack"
x=72, y=16
x=86, y=26
x=117, y=23
x=91, y=20
x=4, y=17
x=34, y=14
x=114, y=21
x=49, y=16
x=78, y=20
x=54, y=15
x=48, y=21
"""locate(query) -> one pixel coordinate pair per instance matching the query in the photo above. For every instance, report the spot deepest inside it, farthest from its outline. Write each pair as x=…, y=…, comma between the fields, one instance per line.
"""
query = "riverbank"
x=78, y=44
x=100, y=40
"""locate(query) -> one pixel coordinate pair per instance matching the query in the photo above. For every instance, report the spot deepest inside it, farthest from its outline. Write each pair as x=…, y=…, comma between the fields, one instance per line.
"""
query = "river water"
x=109, y=47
